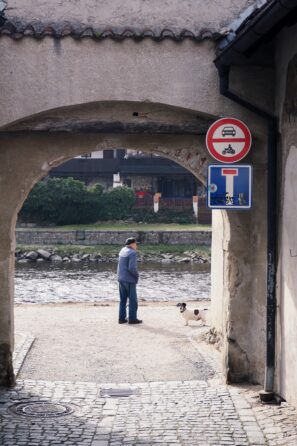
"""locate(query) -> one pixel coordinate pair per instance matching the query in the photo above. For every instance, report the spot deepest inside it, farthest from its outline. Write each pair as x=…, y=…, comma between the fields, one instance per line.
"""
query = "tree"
x=63, y=201
x=118, y=203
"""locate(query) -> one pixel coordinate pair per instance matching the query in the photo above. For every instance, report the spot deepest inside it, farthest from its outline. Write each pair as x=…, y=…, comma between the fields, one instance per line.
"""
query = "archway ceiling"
x=116, y=118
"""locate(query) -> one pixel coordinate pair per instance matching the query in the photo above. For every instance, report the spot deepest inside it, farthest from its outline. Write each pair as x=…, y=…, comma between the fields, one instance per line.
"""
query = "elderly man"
x=128, y=278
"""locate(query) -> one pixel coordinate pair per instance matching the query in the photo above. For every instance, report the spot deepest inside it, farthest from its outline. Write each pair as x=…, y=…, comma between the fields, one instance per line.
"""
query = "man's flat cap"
x=130, y=240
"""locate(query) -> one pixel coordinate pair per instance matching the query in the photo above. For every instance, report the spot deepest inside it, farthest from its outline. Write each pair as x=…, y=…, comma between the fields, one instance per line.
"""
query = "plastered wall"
x=78, y=72
x=286, y=51
x=176, y=13
x=287, y=353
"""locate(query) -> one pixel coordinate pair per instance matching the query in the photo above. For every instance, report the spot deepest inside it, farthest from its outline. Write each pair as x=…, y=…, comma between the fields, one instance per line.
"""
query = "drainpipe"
x=224, y=70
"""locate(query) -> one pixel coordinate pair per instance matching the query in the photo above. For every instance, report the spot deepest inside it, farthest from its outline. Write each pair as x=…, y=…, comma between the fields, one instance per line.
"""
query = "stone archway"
x=30, y=148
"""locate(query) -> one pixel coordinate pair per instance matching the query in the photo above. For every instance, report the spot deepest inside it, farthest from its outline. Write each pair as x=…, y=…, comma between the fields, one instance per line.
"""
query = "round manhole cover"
x=41, y=409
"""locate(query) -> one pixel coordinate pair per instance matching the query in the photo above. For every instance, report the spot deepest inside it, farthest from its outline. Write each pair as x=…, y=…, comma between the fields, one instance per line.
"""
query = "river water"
x=57, y=283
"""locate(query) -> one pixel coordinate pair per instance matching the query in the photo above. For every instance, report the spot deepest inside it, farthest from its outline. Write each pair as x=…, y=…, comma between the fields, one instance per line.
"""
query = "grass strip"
x=111, y=250
x=122, y=227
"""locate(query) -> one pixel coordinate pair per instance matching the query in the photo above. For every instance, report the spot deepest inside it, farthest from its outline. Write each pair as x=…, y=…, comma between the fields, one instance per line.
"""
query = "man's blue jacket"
x=127, y=266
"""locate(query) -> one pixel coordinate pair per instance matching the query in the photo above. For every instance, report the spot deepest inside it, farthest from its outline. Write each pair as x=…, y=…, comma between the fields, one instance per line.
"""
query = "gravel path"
x=84, y=342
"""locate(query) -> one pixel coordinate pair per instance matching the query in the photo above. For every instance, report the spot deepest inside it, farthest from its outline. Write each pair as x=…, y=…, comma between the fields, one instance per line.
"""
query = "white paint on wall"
x=217, y=271
x=117, y=180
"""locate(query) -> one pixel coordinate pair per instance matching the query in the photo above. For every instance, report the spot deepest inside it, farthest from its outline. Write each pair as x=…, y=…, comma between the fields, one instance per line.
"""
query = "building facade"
x=146, y=174
x=140, y=171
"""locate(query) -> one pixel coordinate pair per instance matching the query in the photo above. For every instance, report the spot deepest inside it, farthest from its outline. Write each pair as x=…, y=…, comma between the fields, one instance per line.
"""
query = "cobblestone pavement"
x=159, y=413
x=198, y=410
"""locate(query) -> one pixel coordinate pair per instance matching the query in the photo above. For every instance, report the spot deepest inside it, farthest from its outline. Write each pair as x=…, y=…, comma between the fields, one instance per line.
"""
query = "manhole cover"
x=118, y=393
x=41, y=409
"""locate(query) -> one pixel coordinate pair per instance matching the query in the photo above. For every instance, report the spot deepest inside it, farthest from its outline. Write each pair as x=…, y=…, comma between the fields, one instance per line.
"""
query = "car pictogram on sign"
x=228, y=131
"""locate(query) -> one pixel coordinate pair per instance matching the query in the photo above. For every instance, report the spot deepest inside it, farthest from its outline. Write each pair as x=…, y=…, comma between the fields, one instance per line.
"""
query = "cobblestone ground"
x=180, y=399
x=161, y=413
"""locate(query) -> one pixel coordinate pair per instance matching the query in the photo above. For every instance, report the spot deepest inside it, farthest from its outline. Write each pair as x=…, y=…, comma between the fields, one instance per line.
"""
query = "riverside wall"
x=89, y=238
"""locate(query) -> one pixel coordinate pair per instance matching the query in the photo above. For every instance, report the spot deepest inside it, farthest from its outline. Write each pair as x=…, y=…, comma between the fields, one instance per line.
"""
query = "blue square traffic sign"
x=229, y=186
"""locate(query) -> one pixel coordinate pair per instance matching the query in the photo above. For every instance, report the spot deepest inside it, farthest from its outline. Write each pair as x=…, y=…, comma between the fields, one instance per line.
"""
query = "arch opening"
x=163, y=328
x=34, y=151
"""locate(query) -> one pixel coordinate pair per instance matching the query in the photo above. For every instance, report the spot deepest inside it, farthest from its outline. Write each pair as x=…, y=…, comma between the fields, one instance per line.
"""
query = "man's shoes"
x=137, y=321
x=123, y=321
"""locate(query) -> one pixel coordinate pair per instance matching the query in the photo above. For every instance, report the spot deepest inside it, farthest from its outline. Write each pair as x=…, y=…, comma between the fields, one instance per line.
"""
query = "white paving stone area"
x=161, y=413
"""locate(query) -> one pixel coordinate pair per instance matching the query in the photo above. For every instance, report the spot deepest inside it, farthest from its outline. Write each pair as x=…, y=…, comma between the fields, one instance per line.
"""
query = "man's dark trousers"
x=128, y=291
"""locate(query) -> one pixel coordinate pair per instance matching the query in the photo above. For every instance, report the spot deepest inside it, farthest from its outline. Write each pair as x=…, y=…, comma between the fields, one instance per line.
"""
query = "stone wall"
x=89, y=238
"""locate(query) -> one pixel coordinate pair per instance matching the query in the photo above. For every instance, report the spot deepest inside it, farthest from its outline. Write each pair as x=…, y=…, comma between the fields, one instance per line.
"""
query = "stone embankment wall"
x=89, y=238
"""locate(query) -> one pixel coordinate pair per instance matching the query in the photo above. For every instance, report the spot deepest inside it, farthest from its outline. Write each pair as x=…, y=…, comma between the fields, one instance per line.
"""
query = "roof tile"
x=17, y=29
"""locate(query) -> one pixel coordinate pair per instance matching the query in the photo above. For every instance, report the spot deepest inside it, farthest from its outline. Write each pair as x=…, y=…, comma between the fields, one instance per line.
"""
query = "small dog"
x=191, y=315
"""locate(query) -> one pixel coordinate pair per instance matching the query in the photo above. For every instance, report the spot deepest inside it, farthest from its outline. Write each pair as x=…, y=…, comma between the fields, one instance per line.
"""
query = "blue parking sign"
x=229, y=186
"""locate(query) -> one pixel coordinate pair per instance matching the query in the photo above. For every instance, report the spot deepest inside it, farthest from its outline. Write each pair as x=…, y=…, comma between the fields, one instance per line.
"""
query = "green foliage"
x=62, y=201
x=118, y=203
x=164, y=216
x=65, y=201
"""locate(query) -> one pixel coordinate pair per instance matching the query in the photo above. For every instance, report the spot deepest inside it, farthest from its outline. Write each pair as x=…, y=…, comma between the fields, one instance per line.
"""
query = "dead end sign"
x=229, y=186
x=228, y=140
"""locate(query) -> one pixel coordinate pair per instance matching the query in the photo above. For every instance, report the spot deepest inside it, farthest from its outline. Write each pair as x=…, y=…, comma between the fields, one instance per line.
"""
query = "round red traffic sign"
x=228, y=140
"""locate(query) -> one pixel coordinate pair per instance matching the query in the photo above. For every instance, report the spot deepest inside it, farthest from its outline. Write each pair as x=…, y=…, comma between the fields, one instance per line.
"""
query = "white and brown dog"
x=191, y=315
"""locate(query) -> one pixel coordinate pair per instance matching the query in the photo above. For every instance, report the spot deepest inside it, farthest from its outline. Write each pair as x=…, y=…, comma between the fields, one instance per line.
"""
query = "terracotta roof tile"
x=17, y=29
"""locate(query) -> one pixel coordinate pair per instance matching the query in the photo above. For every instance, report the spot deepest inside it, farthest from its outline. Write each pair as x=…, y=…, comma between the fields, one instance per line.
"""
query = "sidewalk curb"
x=214, y=360
x=21, y=351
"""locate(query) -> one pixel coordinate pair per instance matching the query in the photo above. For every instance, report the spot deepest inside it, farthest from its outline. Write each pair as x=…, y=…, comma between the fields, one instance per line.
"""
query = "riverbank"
x=161, y=253
x=111, y=237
